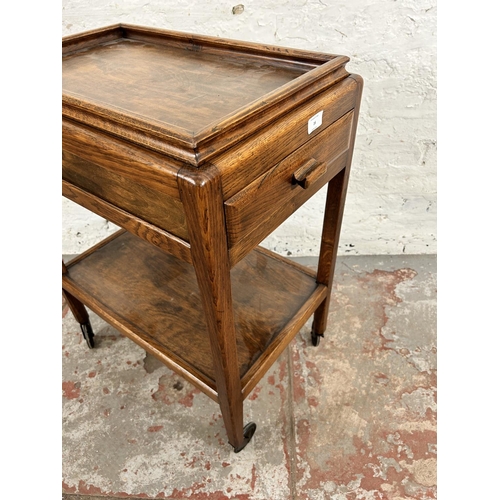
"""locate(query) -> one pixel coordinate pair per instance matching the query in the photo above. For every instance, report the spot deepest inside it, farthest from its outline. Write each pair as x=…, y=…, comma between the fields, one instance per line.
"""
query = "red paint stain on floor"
x=68, y=489
x=254, y=477
x=155, y=428
x=418, y=442
x=312, y=401
x=194, y=492
x=389, y=280
x=89, y=489
x=187, y=400
x=255, y=393
x=379, y=469
x=71, y=390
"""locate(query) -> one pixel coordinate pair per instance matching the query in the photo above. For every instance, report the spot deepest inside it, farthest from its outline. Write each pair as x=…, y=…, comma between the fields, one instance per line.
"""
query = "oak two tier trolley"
x=198, y=148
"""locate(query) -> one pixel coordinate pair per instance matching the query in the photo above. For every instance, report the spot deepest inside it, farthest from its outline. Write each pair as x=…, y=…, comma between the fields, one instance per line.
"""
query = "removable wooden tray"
x=189, y=96
x=154, y=299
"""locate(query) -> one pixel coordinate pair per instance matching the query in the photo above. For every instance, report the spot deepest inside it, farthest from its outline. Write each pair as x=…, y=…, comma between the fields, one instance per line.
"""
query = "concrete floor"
x=354, y=418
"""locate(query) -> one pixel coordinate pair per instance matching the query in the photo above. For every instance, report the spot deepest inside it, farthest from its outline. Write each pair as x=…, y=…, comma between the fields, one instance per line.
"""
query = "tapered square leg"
x=201, y=194
x=81, y=315
x=334, y=210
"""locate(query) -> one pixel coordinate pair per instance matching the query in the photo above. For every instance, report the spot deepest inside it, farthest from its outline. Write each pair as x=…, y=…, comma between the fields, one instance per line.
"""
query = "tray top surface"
x=188, y=96
x=171, y=85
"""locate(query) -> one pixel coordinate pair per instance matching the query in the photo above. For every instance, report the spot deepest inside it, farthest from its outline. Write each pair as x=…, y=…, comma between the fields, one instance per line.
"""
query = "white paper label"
x=315, y=122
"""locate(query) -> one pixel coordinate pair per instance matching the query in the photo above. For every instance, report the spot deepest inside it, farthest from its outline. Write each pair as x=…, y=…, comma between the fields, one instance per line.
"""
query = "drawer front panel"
x=140, y=166
x=251, y=158
x=146, y=203
x=257, y=210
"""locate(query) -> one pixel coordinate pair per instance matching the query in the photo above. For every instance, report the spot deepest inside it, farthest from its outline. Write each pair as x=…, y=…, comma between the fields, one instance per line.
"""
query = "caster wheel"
x=248, y=432
x=88, y=334
x=315, y=337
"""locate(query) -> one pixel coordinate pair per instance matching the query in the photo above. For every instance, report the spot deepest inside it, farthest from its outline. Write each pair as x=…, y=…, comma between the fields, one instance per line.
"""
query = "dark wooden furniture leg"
x=81, y=315
x=201, y=195
x=334, y=210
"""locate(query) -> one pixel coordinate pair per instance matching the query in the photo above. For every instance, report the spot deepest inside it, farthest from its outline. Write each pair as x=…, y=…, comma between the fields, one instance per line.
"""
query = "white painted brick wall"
x=391, y=202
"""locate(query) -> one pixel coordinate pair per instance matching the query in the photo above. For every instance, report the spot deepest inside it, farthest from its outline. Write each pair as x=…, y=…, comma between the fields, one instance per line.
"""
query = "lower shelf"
x=154, y=299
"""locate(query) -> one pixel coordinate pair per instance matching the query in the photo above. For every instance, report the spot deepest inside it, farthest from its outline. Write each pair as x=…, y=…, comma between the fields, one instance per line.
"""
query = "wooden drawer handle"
x=308, y=173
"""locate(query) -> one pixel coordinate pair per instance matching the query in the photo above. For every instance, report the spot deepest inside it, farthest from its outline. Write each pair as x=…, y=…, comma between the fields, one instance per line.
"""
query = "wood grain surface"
x=132, y=162
x=150, y=233
x=186, y=89
x=252, y=157
x=265, y=203
x=201, y=193
x=135, y=198
x=159, y=297
x=187, y=96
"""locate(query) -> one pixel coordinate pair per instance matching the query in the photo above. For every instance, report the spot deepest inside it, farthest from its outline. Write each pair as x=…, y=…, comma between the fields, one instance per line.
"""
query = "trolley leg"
x=201, y=194
x=82, y=316
x=334, y=210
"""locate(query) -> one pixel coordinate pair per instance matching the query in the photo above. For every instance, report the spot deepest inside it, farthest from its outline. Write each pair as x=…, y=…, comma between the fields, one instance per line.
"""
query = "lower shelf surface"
x=157, y=296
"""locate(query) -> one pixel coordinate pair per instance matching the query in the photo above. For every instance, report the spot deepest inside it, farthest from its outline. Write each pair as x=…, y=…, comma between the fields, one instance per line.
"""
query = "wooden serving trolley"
x=199, y=148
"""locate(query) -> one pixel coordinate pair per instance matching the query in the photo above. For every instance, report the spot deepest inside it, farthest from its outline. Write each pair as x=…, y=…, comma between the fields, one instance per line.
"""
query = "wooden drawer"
x=144, y=202
x=258, y=209
x=141, y=183
x=256, y=155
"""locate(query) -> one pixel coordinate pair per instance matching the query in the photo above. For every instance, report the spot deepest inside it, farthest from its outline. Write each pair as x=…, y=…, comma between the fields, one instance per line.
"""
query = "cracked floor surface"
x=354, y=418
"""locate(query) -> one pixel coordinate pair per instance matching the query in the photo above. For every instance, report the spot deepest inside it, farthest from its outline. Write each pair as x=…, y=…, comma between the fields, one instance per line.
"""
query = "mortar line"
x=292, y=440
